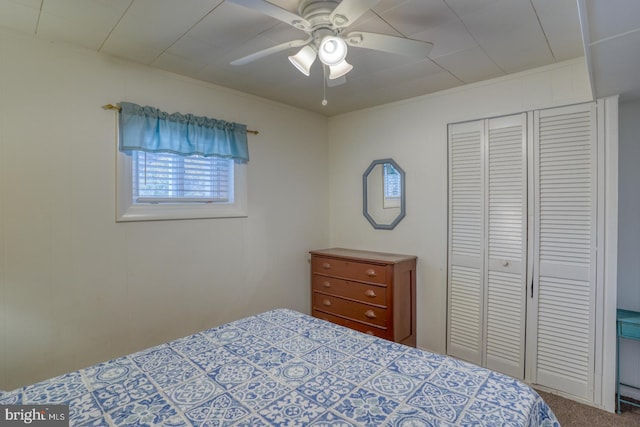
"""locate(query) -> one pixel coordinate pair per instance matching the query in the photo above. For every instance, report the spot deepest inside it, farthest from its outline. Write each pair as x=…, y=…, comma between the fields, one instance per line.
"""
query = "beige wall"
x=414, y=134
x=76, y=288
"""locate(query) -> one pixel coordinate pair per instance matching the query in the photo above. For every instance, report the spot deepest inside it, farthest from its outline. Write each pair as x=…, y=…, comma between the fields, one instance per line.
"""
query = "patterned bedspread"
x=284, y=368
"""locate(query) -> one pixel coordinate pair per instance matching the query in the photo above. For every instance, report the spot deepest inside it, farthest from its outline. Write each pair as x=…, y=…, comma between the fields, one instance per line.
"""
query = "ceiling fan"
x=325, y=21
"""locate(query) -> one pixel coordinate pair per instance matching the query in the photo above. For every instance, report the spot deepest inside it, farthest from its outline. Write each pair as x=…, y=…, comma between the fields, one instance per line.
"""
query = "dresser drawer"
x=378, y=331
x=371, y=294
x=350, y=309
x=349, y=269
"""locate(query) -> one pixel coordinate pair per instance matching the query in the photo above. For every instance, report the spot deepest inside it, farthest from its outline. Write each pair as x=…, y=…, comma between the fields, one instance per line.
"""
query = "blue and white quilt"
x=284, y=368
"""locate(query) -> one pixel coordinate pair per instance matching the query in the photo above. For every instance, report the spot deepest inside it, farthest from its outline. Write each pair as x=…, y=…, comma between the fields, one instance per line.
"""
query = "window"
x=169, y=178
x=156, y=186
x=176, y=166
x=392, y=187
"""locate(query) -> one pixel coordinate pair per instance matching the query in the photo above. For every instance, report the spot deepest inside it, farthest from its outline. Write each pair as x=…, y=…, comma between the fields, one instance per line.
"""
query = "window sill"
x=179, y=211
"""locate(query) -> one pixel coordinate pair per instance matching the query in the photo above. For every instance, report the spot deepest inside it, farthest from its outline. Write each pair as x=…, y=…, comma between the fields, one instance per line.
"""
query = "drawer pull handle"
x=369, y=333
x=326, y=303
x=370, y=314
x=327, y=284
x=370, y=293
x=371, y=272
x=326, y=265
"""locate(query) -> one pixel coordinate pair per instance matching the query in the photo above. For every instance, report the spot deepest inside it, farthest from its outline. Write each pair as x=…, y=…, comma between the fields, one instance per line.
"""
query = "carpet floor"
x=574, y=414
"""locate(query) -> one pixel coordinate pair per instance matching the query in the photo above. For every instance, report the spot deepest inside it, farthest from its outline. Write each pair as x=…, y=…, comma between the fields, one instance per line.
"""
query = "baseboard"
x=567, y=396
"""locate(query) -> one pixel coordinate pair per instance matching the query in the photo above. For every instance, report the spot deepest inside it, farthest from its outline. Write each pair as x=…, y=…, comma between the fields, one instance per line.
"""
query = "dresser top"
x=364, y=255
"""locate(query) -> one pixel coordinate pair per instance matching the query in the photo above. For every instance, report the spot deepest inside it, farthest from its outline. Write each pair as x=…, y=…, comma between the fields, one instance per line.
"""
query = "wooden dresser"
x=371, y=292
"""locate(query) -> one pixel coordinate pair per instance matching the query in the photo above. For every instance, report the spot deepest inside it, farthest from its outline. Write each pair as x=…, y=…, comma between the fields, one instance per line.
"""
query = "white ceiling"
x=473, y=40
x=612, y=40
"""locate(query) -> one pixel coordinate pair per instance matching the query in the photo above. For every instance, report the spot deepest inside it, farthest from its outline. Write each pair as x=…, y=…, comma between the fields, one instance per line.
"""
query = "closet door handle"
x=531, y=285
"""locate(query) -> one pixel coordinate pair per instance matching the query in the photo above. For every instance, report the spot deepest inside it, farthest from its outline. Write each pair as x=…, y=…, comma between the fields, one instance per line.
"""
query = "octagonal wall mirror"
x=383, y=190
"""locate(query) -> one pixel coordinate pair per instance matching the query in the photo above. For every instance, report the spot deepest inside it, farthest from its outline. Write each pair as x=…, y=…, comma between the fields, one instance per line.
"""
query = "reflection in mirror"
x=391, y=186
x=383, y=194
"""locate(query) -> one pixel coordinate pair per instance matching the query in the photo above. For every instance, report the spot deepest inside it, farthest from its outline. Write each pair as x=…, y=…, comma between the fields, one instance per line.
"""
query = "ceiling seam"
x=39, y=16
x=186, y=32
x=388, y=23
x=115, y=26
x=474, y=38
x=606, y=39
x=430, y=59
x=448, y=71
x=546, y=39
x=586, y=42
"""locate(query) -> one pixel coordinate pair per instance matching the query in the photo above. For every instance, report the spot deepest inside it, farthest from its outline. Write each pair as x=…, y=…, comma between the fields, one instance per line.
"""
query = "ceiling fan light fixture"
x=339, y=70
x=332, y=51
x=304, y=59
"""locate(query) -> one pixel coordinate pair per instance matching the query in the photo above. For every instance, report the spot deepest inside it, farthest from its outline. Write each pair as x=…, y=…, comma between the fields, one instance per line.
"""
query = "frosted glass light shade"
x=337, y=71
x=304, y=59
x=332, y=50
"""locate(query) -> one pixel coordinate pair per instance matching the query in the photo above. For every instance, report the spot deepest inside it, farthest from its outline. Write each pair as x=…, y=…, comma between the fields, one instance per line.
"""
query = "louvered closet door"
x=505, y=279
x=565, y=234
x=466, y=241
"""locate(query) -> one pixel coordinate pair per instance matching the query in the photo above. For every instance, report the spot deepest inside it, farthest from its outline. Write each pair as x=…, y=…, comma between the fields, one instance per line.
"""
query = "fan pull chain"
x=324, y=86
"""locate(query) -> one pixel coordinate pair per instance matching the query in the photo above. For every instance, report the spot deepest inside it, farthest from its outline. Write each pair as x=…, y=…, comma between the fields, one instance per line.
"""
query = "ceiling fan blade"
x=274, y=11
x=391, y=44
x=348, y=11
x=269, y=51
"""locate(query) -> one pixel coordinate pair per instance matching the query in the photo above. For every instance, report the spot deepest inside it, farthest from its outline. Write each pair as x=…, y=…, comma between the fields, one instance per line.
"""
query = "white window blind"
x=169, y=178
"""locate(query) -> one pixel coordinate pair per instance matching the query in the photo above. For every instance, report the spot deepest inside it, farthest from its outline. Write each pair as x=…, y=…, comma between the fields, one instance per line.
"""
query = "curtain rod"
x=117, y=107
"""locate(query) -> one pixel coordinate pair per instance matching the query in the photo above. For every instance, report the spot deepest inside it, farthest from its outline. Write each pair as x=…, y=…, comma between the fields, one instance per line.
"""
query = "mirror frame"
x=365, y=197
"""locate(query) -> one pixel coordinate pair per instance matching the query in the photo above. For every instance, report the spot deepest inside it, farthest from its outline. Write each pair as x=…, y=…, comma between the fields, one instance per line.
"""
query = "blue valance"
x=151, y=130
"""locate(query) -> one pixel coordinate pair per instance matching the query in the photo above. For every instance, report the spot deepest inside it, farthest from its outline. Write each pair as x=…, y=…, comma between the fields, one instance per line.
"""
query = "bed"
x=284, y=368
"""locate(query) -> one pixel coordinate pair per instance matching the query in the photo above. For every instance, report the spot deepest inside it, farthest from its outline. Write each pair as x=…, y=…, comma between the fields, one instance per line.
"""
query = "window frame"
x=127, y=211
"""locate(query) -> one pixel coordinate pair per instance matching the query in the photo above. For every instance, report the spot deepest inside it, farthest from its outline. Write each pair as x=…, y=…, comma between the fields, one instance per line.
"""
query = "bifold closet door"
x=487, y=243
x=506, y=254
x=465, y=330
x=565, y=167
